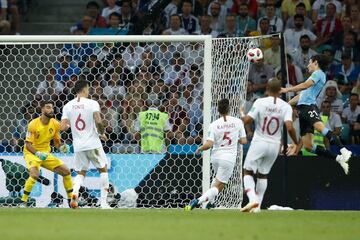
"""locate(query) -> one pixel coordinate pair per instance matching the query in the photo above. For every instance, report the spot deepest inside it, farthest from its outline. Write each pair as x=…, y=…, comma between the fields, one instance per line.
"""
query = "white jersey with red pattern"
x=80, y=113
x=225, y=135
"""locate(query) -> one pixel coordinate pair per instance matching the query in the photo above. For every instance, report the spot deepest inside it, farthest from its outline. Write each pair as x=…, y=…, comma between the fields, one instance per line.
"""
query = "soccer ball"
x=254, y=55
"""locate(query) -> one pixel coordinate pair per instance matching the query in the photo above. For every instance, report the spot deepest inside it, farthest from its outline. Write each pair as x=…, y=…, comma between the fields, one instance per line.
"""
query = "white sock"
x=104, y=187
x=249, y=185
x=78, y=182
x=261, y=185
x=209, y=195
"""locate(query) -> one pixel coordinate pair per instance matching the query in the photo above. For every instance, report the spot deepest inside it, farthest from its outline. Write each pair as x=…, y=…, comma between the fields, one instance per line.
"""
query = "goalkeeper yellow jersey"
x=40, y=135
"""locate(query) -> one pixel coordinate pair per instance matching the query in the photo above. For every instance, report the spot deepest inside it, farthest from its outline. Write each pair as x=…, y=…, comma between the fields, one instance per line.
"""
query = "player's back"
x=225, y=135
x=269, y=116
x=80, y=113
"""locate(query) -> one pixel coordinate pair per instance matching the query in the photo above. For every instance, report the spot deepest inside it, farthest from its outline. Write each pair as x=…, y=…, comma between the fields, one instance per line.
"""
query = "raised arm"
x=305, y=85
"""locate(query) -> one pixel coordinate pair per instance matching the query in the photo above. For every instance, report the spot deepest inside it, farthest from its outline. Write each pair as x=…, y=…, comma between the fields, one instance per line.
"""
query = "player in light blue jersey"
x=309, y=115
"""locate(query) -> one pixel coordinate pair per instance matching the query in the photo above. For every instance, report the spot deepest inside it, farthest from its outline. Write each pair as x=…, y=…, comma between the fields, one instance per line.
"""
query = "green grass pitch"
x=157, y=224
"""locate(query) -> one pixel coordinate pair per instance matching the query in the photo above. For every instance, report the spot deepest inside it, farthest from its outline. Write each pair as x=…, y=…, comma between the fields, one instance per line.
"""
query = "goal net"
x=182, y=76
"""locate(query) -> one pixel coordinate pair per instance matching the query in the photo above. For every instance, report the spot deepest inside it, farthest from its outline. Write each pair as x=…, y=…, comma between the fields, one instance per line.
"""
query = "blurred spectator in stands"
x=49, y=87
x=93, y=68
x=265, y=43
x=188, y=21
x=339, y=38
x=356, y=88
x=196, y=77
x=67, y=93
x=288, y=8
x=169, y=10
x=272, y=55
x=346, y=73
x=111, y=120
x=14, y=16
x=352, y=112
x=252, y=7
x=5, y=27
x=178, y=118
x=127, y=19
x=356, y=133
x=65, y=67
x=175, y=27
x=275, y=23
x=302, y=55
x=217, y=20
x=329, y=26
x=334, y=121
x=205, y=28
x=177, y=74
x=131, y=56
x=300, y=9
x=319, y=9
x=332, y=94
x=111, y=8
x=194, y=53
x=259, y=74
x=84, y=26
x=349, y=47
x=292, y=35
x=225, y=7
x=245, y=23
x=114, y=20
x=114, y=87
x=295, y=75
x=149, y=64
x=28, y=113
x=79, y=52
x=262, y=9
x=194, y=108
x=93, y=10
x=230, y=27
x=354, y=14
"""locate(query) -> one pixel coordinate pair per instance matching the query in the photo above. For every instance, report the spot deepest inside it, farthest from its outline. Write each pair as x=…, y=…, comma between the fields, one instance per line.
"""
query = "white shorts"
x=223, y=169
x=261, y=157
x=96, y=156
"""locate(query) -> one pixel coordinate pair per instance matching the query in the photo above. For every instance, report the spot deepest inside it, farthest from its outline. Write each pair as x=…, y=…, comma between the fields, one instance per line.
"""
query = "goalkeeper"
x=37, y=150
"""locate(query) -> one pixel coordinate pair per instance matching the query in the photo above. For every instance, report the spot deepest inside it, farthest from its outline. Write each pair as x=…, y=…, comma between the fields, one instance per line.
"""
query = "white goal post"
x=209, y=69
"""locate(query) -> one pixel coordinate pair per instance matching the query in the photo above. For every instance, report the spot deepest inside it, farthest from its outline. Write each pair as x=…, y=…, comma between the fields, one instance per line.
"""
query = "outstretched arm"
x=294, y=100
x=305, y=85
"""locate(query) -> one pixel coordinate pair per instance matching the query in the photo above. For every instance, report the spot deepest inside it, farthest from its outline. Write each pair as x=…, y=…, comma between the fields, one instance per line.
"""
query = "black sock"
x=334, y=139
x=320, y=151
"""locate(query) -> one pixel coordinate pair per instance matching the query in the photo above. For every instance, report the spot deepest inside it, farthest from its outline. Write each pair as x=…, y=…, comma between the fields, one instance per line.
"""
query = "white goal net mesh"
x=126, y=78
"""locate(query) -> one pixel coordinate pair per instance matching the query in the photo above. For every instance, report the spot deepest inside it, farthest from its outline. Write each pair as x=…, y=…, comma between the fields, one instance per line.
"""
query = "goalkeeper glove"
x=41, y=155
x=64, y=148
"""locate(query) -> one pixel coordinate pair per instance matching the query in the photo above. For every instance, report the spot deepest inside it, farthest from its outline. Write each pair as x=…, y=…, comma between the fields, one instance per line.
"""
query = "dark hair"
x=115, y=14
x=92, y=4
x=224, y=106
x=322, y=61
x=305, y=36
x=274, y=85
x=44, y=102
x=80, y=85
x=187, y=1
x=297, y=16
x=300, y=5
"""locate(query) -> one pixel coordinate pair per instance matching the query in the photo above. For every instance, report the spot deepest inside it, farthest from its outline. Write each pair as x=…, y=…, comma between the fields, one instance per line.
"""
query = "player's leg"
x=307, y=140
x=100, y=161
x=33, y=164
x=320, y=127
x=261, y=186
x=249, y=186
x=81, y=166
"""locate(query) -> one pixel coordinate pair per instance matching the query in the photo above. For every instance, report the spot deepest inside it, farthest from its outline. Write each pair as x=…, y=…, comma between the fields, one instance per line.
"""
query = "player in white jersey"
x=82, y=115
x=224, y=135
x=269, y=114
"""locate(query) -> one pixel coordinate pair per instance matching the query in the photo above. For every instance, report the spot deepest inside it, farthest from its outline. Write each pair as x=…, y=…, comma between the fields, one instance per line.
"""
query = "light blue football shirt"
x=308, y=96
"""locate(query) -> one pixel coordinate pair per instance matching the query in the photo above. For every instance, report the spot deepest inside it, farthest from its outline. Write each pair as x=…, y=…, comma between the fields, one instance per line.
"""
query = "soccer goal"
x=183, y=76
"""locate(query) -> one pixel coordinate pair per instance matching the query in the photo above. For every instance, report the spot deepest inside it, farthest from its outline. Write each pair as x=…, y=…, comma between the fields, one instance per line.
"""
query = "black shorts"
x=308, y=115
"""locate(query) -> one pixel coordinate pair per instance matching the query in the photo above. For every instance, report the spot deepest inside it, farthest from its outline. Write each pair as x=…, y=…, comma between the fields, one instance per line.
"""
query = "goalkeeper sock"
x=249, y=186
x=261, y=185
x=209, y=195
x=104, y=187
x=78, y=181
x=29, y=184
x=67, y=181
